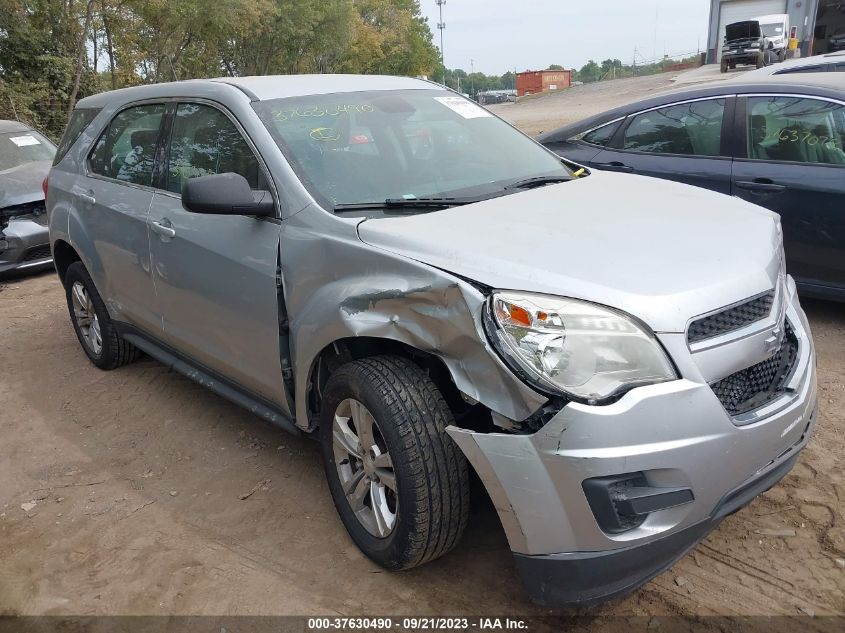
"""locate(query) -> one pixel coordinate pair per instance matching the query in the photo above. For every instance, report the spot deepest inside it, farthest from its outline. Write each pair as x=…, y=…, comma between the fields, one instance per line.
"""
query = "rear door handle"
x=615, y=166
x=755, y=186
x=163, y=229
x=88, y=198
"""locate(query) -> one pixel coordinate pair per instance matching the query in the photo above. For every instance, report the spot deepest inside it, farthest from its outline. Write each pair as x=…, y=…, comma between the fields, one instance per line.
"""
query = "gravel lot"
x=139, y=492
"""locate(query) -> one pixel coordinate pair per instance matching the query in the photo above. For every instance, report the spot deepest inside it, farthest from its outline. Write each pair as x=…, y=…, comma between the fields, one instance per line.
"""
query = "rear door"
x=794, y=164
x=216, y=275
x=115, y=195
x=685, y=142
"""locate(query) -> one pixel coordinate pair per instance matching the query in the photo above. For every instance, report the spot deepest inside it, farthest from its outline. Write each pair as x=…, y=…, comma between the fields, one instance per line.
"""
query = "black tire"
x=761, y=60
x=432, y=476
x=724, y=66
x=114, y=352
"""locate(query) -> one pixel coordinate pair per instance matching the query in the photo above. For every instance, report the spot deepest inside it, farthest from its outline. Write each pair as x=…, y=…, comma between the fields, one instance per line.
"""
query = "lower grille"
x=39, y=252
x=759, y=384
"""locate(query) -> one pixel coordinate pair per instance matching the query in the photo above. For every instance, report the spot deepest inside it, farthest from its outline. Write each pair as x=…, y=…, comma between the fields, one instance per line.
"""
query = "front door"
x=681, y=142
x=216, y=274
x=794, y=164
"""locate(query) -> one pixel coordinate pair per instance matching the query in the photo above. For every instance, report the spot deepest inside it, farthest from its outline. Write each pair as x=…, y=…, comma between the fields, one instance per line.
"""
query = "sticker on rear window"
x=465, y=108
x=23, y=141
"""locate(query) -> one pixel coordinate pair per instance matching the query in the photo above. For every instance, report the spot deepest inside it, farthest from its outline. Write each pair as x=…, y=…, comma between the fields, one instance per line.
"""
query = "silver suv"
x=385, y=265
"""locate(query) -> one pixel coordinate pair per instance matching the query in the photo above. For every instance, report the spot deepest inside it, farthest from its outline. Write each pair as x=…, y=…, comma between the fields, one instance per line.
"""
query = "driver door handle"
x=163, y=228
x=761, y=185
x=615, y=166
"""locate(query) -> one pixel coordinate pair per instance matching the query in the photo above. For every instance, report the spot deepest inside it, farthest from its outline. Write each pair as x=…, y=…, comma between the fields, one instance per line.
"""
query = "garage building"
x=814, y=21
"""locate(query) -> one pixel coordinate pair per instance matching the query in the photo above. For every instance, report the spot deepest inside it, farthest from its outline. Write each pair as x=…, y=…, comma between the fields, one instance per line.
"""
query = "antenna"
x=440, y=26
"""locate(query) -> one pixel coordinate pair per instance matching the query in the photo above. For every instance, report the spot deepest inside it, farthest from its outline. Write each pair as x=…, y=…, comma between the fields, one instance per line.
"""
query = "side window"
x=693, y=129
x=79, y=120
x=601, y=136
x=796, y=130
x=126, y=150
x=802, y=69
x=205, y=142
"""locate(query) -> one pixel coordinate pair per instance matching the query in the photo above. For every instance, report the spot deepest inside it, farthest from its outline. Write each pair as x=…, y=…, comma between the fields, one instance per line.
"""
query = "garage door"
x=739, y=10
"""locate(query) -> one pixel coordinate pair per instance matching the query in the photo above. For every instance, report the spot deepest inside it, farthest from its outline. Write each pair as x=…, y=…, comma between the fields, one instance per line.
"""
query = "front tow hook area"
x=623, y=502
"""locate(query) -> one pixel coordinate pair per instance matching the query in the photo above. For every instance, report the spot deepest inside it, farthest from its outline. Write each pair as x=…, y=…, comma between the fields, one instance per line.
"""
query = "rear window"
x=79, y=120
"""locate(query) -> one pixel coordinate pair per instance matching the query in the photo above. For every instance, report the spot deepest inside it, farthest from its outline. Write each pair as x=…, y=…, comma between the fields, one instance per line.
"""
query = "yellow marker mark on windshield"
x=580, y=173
x=325, y=134
x=319, y=111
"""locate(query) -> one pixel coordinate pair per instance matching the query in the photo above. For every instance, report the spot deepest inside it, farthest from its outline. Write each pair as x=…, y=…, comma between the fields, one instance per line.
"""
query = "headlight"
x=575, y=348
x=754, y=45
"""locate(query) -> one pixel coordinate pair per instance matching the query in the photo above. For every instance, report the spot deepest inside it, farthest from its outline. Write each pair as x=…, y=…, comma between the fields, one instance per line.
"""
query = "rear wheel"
x=399, y=482
x=94, y=328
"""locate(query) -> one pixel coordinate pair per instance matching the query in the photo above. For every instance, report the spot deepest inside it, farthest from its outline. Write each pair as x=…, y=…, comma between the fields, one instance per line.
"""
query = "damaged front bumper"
x=25, y=244
x=668, y=455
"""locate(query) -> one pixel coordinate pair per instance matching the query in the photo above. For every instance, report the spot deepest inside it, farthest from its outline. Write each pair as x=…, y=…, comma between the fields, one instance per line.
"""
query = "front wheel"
x=398, y=481
x=724, y=66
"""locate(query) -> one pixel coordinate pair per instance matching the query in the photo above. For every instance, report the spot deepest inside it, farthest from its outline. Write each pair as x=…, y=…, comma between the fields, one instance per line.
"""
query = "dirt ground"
x=139, y=492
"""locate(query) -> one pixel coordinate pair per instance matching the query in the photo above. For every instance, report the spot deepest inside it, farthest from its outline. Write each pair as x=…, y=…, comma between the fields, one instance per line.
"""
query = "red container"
x=534, y=81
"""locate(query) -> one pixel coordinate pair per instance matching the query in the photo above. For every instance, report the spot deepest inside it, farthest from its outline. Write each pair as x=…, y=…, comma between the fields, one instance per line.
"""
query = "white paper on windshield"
x=23, y=141
x=465, y=108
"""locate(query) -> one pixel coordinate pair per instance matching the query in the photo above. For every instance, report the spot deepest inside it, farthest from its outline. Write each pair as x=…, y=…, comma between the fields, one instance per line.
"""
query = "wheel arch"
x=63, y=256
x=351, y=348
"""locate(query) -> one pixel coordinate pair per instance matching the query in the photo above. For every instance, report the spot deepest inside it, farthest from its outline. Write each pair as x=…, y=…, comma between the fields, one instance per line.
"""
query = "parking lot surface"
x=139, y=492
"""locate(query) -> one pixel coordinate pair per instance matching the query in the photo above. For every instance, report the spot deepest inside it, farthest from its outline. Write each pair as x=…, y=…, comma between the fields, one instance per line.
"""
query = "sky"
x=501, y=35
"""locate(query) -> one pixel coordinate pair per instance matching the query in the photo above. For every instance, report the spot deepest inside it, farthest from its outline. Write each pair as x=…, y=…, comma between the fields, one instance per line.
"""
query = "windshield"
x=772, y=30
x=363, y=147
x=19, y=148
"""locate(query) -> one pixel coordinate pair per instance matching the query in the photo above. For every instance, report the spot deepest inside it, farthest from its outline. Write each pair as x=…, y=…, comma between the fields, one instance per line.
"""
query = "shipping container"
x=536, y=81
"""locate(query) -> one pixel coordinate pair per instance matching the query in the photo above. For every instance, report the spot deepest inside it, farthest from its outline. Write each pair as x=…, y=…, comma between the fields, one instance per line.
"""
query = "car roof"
x=772, y=17
x=259, y=88
x=813, y=84
x=13, y=126
x=790, y=64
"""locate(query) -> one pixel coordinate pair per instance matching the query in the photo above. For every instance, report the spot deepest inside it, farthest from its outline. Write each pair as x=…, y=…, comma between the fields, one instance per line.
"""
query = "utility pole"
x=440, y=26
x=472, y=79
x=634, y=65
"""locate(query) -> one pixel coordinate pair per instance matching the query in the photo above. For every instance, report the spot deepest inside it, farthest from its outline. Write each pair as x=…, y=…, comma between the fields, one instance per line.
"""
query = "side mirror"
x=225, y=194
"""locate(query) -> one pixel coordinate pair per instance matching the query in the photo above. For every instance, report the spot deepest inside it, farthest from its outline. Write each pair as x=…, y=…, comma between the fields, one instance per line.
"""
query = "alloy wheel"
x=86, y=318
x=365, y=467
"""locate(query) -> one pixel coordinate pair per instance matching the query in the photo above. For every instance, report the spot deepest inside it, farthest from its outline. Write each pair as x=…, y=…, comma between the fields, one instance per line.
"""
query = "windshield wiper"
x=538, y=181
x=413, y=203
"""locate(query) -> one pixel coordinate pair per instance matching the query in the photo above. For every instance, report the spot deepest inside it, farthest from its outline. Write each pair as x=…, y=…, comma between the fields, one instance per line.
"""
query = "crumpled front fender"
x=337, y=287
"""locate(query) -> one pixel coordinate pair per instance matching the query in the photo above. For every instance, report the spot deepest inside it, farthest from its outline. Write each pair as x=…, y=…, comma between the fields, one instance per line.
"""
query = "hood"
x=742, y=30
x=22, y=184
x=661, y=251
